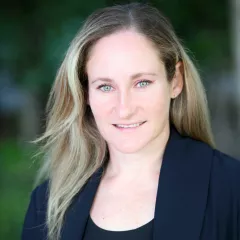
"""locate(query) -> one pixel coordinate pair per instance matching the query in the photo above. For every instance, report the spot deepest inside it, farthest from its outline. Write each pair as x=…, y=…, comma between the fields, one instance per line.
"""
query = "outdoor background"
x=34, y=38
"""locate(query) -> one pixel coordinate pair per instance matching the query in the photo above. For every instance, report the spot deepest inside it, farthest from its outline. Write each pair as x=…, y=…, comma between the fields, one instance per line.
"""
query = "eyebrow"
x=134, y=76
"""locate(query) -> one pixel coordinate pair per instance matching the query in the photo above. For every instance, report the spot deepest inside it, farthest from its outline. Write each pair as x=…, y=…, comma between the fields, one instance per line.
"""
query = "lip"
x=129, y=129
x=129, y=123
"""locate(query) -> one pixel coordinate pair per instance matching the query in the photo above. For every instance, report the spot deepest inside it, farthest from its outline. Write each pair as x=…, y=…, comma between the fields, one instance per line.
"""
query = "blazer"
x=198, y=197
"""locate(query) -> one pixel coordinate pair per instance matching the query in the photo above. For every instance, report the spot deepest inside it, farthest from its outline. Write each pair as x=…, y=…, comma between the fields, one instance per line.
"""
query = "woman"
x=130, y=153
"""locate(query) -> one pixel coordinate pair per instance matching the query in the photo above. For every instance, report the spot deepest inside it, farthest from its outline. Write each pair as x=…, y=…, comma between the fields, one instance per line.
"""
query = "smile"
x=127, y=126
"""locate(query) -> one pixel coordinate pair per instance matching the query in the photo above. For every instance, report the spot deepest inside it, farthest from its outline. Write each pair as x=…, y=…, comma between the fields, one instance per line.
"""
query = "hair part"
x=73, y=147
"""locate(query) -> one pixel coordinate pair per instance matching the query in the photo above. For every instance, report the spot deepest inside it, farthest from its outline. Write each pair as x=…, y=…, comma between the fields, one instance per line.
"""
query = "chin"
x=129, y=148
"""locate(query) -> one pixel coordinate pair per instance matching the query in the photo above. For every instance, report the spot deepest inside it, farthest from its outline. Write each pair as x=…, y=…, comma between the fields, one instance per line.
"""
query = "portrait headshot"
x=128, y=150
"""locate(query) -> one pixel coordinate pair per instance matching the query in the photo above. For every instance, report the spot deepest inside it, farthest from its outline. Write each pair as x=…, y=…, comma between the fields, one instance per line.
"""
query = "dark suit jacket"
x=198, y=197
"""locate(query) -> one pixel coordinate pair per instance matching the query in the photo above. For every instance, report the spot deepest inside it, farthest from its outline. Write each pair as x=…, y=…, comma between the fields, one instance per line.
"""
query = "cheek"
x=158, y=113
x=158, y=101
x=159, y=108
x=100, y=106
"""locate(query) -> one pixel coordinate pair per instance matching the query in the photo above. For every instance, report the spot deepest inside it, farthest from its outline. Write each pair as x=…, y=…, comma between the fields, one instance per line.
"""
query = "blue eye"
x=105, y=88
x=140, y=84
x=143, y=83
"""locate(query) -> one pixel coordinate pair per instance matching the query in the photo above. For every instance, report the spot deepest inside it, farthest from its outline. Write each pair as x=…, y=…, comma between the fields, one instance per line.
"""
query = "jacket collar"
x=181, y=195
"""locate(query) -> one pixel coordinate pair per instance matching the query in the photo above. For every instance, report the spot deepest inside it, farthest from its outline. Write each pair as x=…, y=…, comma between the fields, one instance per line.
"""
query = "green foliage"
x=16, y=182
x=36, y=38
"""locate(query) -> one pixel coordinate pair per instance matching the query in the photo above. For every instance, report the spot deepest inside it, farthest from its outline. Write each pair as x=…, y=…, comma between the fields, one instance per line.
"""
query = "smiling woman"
x=130, y=153
x=130, y=59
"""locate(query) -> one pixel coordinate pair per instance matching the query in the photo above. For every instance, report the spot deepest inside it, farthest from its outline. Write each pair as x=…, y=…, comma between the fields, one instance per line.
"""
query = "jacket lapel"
x=182, y=190
x=181, y=197
x=77, y=214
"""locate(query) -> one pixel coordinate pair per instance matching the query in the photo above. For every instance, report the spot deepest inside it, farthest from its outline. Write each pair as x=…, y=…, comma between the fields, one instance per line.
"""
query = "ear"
x=177, y=81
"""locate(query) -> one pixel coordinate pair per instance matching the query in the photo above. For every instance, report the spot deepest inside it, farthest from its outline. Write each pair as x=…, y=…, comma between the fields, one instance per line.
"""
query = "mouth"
x=128, y=126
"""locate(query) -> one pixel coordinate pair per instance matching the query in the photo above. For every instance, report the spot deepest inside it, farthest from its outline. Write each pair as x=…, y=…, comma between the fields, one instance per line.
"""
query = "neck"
x=139, y=165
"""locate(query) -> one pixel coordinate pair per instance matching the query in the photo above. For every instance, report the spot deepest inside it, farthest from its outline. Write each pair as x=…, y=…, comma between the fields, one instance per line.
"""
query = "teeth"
x=129, y=126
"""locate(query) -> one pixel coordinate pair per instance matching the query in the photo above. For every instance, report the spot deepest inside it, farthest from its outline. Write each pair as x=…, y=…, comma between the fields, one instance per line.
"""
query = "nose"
x=125, y=106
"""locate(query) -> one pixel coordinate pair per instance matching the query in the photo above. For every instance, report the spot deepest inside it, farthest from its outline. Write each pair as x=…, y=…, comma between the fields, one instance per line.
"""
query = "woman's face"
x=129, y=94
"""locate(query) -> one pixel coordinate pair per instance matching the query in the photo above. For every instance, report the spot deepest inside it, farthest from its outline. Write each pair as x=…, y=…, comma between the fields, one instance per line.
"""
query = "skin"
x=128, y=84
x=117, y=61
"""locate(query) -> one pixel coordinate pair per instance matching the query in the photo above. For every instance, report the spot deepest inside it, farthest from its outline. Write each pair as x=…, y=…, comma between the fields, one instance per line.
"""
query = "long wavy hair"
x=71, y=143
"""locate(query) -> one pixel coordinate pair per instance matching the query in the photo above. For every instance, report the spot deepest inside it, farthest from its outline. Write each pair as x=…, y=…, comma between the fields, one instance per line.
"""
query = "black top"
x=93, y=232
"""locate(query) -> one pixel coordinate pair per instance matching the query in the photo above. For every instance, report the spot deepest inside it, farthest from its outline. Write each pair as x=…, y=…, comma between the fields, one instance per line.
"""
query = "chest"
x=123, y=208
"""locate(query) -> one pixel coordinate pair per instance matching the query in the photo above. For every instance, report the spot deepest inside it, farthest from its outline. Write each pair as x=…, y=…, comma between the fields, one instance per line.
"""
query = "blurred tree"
x=37, y=33
x=235, y=27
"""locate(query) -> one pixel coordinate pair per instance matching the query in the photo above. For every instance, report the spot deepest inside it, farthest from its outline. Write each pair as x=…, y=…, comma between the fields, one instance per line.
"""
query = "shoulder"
x=40, y=195
x=224, y=169
x=227, y=169
x=222, y=163
x=222, y=210
x=227, y=162
x=34, y=226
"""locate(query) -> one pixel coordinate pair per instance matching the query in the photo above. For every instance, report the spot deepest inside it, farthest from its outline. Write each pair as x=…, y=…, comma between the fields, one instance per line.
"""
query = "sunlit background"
x=34, y=38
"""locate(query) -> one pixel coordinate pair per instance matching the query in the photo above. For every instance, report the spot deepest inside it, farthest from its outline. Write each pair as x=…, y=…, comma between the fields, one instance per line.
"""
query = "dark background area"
x=34, y=38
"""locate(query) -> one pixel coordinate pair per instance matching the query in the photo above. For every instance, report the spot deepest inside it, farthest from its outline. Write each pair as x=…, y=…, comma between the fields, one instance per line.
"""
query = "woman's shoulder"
x=222, y=164
x=224, y=169
x=226, y=172
x=35, y=218
x=40, y=195
x=225, y=162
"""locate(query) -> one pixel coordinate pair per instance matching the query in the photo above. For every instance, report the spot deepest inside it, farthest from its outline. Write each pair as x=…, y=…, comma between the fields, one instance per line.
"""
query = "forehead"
x=125, y=52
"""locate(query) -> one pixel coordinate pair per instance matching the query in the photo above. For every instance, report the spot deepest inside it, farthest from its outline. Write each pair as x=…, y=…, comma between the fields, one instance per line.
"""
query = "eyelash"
x=104, y=85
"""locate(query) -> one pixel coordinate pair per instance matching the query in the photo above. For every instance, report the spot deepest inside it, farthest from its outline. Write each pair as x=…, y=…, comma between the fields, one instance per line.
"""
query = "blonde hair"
x=72, y=144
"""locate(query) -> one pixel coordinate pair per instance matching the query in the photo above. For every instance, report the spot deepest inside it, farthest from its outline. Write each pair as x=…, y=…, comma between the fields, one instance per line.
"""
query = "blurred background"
x=34, y=38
